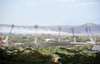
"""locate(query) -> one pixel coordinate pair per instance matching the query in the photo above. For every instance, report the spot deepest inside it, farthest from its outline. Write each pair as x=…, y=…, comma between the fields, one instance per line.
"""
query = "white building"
x=49, y=39
x=18, y=44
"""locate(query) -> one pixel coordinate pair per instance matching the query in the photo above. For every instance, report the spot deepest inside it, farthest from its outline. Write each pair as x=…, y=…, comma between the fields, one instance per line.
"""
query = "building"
x=96, y=48
x=18, y=44
x=1, y=43
x=48, y=39
x=12, y=43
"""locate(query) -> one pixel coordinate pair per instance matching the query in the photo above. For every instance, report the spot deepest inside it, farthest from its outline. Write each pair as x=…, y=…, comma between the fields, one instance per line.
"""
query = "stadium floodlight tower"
x=93, y=36
x=72, y=28
x=89, y=35
x=59, y=27
x=36, y=26
x=6, y=39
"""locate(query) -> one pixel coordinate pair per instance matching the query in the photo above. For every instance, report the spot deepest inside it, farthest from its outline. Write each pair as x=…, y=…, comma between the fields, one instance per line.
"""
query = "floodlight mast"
x=92, y=36
x=72, y=28
x=59, y=27
x=6, y=39
x=36, y=26
x=89, y=35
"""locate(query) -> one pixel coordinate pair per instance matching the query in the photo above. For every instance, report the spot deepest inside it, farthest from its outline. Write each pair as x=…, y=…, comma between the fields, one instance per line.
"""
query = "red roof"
x=58, y=43
x=1, y=43
x=12, y=43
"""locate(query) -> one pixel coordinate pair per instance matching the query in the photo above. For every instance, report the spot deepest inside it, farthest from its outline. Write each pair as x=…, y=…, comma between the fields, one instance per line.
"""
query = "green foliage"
x=24, y=37
x=78, y=39
x=70, y=46
x=27, y=42
x=10, y=48
x=97, y=39
x=87, y=39
x=41, y=42
x=45, y=55
x=28, y=49
x=90, y=46
x=65, y=42
x=29, y=39
x=78, y=57
x=0, y=38
x=20, y=57
x=82, y=48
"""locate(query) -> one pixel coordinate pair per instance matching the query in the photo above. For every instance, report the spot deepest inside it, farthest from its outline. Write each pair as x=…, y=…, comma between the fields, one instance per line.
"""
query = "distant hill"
x=93, y=27
x=77, y=28
x=50, y=29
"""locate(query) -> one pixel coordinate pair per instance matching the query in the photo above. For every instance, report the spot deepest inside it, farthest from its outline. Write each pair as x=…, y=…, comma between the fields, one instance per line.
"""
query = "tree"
x=0, y=38
x=70, y=46
x=90, y=46
x=79, y=39
x=87, y=39
x=78, y=57
x=21, y=57
x=27, y=42
x=10, y=48
x=24, y=37
x=82, y=48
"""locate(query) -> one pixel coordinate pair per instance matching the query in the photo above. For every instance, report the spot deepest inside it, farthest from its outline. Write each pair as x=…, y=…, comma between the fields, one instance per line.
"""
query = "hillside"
x=49, y=29
x=93, y=27
x=78, y=28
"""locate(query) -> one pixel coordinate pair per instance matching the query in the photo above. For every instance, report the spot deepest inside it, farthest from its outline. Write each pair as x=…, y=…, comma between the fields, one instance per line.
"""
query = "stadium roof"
x=96, y=48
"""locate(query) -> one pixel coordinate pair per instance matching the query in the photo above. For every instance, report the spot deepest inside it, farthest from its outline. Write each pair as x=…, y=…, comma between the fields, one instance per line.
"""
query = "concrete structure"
x=96, y=48
x=66, y=44
x=36, y=26
x=72, y=28
x=59, y=27
x=89, y=35
x=18, y=44
x=6, y=39
x=94, y=38
x=49, y=39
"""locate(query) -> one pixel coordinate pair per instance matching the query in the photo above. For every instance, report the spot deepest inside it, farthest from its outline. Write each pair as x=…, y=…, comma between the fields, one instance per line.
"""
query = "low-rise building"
x=48, y=39
x=96, y=48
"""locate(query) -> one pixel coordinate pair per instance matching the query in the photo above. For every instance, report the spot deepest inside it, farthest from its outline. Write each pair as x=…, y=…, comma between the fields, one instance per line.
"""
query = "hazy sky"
x=49, y=12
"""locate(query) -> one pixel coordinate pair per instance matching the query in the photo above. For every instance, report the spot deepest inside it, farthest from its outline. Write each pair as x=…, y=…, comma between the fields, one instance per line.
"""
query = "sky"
x=49, y=12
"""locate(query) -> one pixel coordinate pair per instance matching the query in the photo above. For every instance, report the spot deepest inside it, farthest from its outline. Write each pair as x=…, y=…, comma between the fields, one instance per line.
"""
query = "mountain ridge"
x=51, y=29
x=77, y=28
